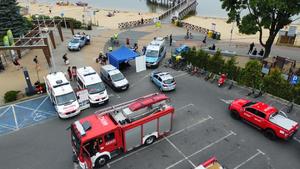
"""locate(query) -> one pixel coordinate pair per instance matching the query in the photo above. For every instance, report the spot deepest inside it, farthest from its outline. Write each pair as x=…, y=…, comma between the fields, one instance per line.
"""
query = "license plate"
x=124, y=88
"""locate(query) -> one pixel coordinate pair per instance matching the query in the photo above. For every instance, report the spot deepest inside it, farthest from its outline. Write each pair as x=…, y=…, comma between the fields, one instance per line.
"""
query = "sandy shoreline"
x=225, y=29
x=86, y=14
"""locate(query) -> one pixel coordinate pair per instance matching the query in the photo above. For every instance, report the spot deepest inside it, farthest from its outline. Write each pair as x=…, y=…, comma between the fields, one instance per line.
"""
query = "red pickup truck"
x=275, y=124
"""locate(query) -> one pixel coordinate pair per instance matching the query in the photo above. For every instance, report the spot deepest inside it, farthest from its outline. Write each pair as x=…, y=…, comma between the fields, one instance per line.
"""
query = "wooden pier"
x=180, y=7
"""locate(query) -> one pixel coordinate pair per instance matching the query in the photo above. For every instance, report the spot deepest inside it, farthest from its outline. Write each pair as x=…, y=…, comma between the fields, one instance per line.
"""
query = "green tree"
x=251, y=74
x=261, y=14
x=216, y=63
x=230, y=68
x=275, y=84
x=10, y=18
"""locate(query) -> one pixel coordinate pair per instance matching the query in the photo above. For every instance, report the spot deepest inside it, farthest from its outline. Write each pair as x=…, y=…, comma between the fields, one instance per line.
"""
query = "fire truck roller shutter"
x=150, y=129
x=165, y=124
x=133, y=138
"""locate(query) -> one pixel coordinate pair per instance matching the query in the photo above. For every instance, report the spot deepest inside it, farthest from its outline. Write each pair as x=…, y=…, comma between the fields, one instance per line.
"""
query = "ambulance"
x=88, y=78
x=62, y=95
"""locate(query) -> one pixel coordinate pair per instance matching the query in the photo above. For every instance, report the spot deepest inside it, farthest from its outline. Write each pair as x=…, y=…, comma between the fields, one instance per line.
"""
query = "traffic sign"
x=62, y=14
x=294, y=80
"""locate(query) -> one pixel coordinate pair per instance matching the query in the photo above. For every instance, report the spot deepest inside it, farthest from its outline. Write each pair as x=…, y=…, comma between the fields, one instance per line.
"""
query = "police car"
x=164, y=80
x=78, y=42
x=155, y=52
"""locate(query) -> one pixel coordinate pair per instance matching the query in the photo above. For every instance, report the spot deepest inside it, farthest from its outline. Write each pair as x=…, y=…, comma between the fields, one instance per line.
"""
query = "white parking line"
x=182, y=74
x=213, y=143
x=136, y=82
x=296, y=139
x=180, y=152
x=204, y=148
x=190, y=126
x=252, y=157
x=183, y=107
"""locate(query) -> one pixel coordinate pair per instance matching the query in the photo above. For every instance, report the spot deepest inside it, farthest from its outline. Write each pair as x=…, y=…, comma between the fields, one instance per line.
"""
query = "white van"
x=62, y=95
x=88, y=78
x=114, y=78
x=155, y=52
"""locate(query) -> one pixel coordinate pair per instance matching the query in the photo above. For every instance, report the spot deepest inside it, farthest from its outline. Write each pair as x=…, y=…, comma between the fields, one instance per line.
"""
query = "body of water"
x=210, y=8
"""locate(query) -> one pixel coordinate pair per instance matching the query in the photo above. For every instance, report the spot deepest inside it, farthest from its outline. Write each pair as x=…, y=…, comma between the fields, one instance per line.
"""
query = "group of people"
x=188, y=34
x=253, y=50
x=72, y=72
x=102, y=59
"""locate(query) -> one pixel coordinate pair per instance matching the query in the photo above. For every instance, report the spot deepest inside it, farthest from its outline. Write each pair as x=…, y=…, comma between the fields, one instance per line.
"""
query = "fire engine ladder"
x=121, y=105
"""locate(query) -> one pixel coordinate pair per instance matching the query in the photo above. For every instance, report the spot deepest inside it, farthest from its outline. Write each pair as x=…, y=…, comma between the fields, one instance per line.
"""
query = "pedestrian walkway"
x=16, y=116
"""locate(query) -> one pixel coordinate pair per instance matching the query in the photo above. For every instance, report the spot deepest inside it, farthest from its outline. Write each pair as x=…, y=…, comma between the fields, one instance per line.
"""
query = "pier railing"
x=132, y=24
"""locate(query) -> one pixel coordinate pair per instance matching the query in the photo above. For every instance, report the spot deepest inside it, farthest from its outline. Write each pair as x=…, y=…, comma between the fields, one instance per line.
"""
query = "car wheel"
x=161, y=89
x=269, y=133
x=101, y=161
x=235, y=115
x=79, y=48
x=150, y=140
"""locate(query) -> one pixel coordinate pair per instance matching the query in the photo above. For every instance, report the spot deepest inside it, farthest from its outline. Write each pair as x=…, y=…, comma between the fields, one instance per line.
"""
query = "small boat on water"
x=80, y=3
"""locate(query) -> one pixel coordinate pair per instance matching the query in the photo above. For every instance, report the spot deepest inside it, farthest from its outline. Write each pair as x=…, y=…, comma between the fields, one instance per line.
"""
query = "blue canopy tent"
x=121, y=55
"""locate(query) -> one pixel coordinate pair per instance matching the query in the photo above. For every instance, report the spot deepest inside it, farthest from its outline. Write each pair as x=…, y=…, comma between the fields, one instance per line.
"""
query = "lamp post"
x=231, y=32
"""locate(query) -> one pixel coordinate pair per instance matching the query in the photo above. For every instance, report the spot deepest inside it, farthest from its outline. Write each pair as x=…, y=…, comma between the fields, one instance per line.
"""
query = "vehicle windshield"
x=169, y=81
x=75, y=141
x=65, y=98
x=249, y=104
x=75, y=41
x=95, y=88
x=117, y=77
x=152, y=53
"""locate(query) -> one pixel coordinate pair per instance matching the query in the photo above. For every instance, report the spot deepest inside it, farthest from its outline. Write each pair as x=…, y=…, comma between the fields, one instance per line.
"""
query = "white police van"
x=155, y=52
x=88, y=78
x=62, y=95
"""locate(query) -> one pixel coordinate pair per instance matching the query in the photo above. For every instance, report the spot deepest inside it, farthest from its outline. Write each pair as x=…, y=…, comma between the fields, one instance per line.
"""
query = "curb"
x=272, y=96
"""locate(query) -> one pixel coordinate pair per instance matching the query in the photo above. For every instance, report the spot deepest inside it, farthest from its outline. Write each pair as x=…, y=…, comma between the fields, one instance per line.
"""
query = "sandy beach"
x=225, y=29
x=78, y=12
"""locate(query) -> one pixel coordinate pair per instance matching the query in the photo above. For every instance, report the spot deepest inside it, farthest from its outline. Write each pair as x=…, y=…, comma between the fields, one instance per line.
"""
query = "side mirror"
x=78, y=97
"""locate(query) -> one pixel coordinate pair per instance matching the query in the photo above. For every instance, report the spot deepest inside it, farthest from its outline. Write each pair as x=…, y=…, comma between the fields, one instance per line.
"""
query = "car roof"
x=59, y=83
x=164, y=75
x=265, y=108
x=110, y=69
x=88, y=75
x=155, y=44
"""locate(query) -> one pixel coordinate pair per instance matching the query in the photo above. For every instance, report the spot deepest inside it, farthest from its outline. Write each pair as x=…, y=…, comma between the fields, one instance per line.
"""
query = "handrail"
x=130, y=24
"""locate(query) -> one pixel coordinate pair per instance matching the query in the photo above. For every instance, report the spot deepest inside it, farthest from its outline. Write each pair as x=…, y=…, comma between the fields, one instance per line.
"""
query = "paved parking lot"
x=202, y=128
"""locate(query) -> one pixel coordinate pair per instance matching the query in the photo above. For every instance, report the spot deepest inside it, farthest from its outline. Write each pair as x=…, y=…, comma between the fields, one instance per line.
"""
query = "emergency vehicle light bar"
x=80, y=128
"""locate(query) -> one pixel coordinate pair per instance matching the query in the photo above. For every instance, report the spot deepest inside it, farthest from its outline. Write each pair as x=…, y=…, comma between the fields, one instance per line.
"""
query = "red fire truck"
x=99, y=137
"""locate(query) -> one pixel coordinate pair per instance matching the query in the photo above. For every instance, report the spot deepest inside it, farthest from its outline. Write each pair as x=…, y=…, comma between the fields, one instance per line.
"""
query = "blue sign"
x=62, y=14
x=294, y=80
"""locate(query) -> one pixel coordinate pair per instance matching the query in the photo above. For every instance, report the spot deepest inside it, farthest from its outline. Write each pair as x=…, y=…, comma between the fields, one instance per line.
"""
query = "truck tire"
x=269, y=133
x=101, y=161
x=150, y=140
x=235, y=114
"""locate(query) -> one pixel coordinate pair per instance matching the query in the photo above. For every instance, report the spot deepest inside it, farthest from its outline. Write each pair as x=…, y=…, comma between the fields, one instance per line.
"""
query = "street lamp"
x=231, y=32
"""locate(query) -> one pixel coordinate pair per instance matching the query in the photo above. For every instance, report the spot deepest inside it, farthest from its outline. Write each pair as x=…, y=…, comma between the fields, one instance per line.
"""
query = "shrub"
x=275, y=84
x=11, y=96
x=216, y=63
x=251, y=74
x=230, y=68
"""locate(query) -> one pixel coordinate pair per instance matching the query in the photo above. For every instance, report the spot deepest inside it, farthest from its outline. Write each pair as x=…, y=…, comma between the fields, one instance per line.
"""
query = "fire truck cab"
x=118, y=129
x=62, y=95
